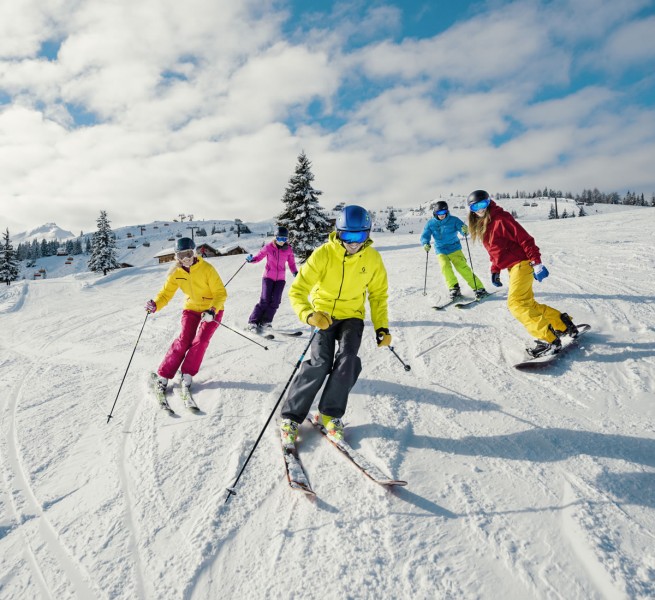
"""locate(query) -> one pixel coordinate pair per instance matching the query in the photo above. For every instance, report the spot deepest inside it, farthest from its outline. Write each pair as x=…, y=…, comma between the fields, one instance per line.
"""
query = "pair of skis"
x=297, y=477
x=463, y=302
x=160, y=396
x=271, y=336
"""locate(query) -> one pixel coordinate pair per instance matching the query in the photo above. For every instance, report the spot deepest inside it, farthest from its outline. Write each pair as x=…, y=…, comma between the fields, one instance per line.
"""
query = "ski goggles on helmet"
x=353, y=237
x=481, y=205
x=282, y=239
x=443, y=211
x=182, y=254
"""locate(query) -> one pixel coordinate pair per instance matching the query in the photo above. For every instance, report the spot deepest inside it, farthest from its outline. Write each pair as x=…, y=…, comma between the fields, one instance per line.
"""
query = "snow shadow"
x=404, y=392
x=629, y=488
x=533, y=445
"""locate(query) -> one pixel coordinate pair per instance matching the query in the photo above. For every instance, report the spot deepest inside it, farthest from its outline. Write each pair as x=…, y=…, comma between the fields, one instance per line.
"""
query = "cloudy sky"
x=154, y=108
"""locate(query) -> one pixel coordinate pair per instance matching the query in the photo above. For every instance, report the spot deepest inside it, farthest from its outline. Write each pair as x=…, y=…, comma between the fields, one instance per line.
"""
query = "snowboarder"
x=201, y=316
x=511, y=247
x=444, y=228
x=278, y=254
x=329, y=295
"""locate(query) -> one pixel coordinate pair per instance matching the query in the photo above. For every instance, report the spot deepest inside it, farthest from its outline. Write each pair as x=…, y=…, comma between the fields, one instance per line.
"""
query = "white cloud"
x=204, y=106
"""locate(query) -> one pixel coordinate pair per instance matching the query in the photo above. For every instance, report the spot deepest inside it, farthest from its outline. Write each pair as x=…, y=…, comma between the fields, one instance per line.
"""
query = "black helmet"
x=281, y=231
x=477, y=196
x=441, y=205
x=184, y=243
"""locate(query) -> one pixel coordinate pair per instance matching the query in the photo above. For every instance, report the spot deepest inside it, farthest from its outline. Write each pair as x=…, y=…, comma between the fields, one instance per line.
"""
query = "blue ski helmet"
x=184, y=243
x=354, y=218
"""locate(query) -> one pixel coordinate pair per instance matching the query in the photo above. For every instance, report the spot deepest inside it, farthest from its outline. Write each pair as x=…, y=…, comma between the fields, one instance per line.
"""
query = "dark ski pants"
x=269, y=301
x=342, y=371
x=188, y=349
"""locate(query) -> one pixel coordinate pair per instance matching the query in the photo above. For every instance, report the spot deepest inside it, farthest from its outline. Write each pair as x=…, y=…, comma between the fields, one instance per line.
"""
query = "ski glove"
x=151, y=307
x=540, y=272
x=249, y=258
x=427, y=247
x=495, y=279
x=382, y=337
x=319, y=319
x=465, y=229
x=208, y=315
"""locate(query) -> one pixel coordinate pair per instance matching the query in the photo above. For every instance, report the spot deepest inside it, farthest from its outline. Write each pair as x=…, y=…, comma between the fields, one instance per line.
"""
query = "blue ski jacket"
x=444, y=233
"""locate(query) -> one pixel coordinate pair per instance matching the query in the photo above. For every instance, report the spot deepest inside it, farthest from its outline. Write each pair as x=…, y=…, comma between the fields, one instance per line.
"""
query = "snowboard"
x=568, y=342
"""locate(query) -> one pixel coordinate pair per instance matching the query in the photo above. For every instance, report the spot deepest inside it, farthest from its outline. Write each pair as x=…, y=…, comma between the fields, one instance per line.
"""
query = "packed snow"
x=520, y=484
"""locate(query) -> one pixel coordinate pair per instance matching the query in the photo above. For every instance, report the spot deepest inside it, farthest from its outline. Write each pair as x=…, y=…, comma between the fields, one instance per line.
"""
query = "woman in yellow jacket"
x=202, y=314
x=329, y=294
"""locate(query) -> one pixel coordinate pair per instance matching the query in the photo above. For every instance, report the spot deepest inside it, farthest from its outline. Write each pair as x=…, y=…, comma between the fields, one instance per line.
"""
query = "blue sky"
x=150, y=109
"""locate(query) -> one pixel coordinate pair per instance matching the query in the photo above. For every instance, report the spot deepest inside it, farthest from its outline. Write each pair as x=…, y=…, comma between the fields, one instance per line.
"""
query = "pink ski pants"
x=188, y=349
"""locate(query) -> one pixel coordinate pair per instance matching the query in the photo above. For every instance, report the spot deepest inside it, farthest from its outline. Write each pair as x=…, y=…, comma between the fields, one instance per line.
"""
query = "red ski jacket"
x=507, y=242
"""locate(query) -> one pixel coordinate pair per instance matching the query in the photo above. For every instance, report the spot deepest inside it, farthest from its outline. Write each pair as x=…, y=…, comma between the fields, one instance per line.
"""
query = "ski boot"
x=333, y=426
x=185, y=392
x=288, y=433
x=454, y=292
x=481, y=293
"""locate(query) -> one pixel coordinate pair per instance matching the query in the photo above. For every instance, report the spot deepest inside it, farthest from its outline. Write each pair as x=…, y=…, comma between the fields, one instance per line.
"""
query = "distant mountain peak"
x=47, y=231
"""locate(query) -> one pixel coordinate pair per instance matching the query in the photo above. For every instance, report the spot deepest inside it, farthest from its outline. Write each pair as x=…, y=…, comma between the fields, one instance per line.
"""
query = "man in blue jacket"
x=444, y=228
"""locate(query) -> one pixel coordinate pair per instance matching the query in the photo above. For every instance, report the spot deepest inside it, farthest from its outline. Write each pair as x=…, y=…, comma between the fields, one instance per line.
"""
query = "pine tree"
x=303, y=216
x=581, y=212
x=391, y=222
x=9, y=269
x=103, y=250
x=551, y=214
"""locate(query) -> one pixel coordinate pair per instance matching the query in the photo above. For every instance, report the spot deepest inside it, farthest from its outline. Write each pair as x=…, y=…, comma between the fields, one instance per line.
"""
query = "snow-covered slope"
x=521, y=485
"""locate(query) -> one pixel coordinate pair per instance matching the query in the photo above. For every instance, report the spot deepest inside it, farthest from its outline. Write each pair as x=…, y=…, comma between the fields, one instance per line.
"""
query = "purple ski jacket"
x=276, y=259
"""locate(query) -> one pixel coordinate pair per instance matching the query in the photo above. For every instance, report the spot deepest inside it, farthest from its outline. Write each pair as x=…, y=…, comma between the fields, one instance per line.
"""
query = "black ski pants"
x=341, y=369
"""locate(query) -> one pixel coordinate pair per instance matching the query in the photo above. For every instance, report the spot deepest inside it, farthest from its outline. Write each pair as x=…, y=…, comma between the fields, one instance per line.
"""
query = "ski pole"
x=109, y=416
x=475, y=279
x=406, y=366
x=245, y=262
x=232, y=490
x=425, y=283
x=244, y=336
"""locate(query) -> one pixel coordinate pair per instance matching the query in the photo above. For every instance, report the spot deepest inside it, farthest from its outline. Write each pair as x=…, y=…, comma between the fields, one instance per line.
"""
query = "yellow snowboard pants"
x=535, y=317
x=456, y=259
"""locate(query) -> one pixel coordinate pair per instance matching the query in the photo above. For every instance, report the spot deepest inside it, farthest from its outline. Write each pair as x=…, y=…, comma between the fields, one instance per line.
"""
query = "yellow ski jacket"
x=336, y=282
x=201, y=284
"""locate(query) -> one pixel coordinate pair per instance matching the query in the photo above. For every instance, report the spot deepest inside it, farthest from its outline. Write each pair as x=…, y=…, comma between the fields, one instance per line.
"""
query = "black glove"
x=495, y=279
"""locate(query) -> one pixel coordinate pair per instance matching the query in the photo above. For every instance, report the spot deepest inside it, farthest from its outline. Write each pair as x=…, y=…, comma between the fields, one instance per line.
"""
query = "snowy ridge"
x=520, y=485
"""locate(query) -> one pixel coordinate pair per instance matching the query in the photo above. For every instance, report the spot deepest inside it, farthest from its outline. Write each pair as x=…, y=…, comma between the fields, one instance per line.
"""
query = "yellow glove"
x=319, y=319
x=465, y=229
x=383, y=337
x=427, y=247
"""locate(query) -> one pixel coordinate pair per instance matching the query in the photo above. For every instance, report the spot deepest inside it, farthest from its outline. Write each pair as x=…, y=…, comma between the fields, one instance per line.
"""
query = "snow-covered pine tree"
x=392, y=225
x=103, y=249
x=303, y=216
x=9, y=269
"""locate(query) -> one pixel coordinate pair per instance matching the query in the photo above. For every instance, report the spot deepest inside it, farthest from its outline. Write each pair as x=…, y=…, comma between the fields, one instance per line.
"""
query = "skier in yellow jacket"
x=202, y=314
x=329, y=294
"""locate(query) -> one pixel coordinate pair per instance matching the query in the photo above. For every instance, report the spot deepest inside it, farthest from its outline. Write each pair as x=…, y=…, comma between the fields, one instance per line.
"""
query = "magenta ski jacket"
x=276, y=259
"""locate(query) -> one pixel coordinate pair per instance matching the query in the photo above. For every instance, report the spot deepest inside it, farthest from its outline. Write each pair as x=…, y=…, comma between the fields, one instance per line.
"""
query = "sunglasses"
x=441, y=212
x=282, y=239
x=481, y=205
x=182, y=254
x=353, y=237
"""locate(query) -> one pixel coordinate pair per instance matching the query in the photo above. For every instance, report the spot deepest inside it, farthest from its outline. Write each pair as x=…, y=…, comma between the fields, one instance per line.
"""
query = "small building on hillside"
x=231, y=250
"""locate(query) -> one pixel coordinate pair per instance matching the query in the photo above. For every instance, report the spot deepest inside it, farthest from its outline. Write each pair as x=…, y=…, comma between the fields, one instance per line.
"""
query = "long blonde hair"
x=478, y=225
